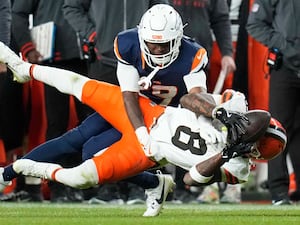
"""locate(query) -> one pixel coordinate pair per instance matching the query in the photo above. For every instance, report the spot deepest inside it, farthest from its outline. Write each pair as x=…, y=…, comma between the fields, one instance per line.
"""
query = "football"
x=259, y=121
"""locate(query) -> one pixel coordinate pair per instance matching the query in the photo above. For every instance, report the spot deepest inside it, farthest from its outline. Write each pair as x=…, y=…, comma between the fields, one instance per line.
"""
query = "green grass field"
x=84, y=214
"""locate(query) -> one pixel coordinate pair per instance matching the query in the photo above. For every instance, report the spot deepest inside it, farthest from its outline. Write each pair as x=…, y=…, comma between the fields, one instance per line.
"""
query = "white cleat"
x=19, y=68
x=156, y=197
x=32, y=168
x=232, y=194
x=3, y=184
x=210, y=194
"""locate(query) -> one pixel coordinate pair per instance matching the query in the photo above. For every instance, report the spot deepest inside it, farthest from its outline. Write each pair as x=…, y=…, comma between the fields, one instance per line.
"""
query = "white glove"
x=144, y=139
x=234, y=101
x=212, y=136
x=145, y=82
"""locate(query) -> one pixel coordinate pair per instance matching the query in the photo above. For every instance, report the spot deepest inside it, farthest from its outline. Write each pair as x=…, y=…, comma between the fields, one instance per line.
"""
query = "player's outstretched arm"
x=209, y=171
x=206, y=172
x=204, y=104
x=200, y=103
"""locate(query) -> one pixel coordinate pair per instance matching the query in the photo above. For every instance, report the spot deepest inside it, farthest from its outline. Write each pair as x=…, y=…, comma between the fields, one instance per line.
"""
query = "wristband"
x=196, y=176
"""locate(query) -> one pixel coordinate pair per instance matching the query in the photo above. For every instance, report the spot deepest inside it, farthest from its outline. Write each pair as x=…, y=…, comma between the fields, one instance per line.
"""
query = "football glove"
x=88, y=51
x=234, y=121
x=144, y=139
x=236, y=150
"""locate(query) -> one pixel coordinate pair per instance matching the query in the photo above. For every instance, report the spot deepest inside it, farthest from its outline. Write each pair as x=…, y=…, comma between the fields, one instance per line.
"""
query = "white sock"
x=83, y=176
x=65, y=81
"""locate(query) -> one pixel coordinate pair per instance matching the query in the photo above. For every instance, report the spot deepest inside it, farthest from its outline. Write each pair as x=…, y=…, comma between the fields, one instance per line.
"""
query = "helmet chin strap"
x=145, y=82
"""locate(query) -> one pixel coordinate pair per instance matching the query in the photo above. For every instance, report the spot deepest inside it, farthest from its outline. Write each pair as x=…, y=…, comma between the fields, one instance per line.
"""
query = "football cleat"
x=272, y=143
x=29, y=167
x=232, y=194
x=210, y=194
x=19, y=68
x=156, y=197
x=282, y=202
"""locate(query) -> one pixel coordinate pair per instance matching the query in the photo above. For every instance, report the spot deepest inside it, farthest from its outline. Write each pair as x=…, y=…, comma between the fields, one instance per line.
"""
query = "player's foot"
x=156, y=197
x=284, y=201
x=3, y=184
x=29, y=167
x=19, y=68
x=210, y=194
x=232, y=194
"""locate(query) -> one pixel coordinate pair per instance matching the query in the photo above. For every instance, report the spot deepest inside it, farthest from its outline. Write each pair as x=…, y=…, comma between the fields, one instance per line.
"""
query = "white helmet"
x=160, y=24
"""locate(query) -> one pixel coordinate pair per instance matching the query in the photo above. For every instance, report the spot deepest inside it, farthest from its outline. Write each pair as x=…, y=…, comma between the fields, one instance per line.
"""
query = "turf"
x=84, y=214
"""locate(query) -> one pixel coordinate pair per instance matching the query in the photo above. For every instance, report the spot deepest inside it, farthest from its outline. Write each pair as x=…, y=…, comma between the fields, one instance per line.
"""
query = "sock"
x=63, y=80
x=145, y=180
x=9, y=174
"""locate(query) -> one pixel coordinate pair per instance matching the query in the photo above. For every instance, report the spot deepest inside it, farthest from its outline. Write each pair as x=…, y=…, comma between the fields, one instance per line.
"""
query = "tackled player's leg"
x=82, y=176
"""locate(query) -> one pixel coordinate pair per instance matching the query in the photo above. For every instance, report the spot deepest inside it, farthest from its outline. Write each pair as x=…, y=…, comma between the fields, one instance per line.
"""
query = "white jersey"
x=184, y=140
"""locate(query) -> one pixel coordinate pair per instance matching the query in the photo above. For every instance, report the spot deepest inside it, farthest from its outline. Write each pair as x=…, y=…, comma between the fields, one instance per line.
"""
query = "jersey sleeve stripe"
x=117, y=53
x=143, y=61
x=200, y=60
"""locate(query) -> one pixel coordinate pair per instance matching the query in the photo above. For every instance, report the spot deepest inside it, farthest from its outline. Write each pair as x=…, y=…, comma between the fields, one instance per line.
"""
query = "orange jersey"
x=124, y=158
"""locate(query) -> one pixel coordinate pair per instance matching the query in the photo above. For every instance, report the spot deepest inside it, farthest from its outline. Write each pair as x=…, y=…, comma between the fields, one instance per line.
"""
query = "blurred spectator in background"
x=67, y=56
x=276, y=25
x=240, y=81
x=5, y=24
x=208, y=20
x=13, y=116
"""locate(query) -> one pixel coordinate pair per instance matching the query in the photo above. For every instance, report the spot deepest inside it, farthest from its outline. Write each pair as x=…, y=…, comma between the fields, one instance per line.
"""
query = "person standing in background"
x=276, y=25
x=5, y=23
x=206, y=20
x=5, y=31
x=66, y=56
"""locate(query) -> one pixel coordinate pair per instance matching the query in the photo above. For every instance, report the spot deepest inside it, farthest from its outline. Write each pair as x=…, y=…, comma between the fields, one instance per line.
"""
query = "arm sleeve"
x=128, y=77
x=197, y=76
x=197, y=79
x=77, y=13
x=5, y=21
